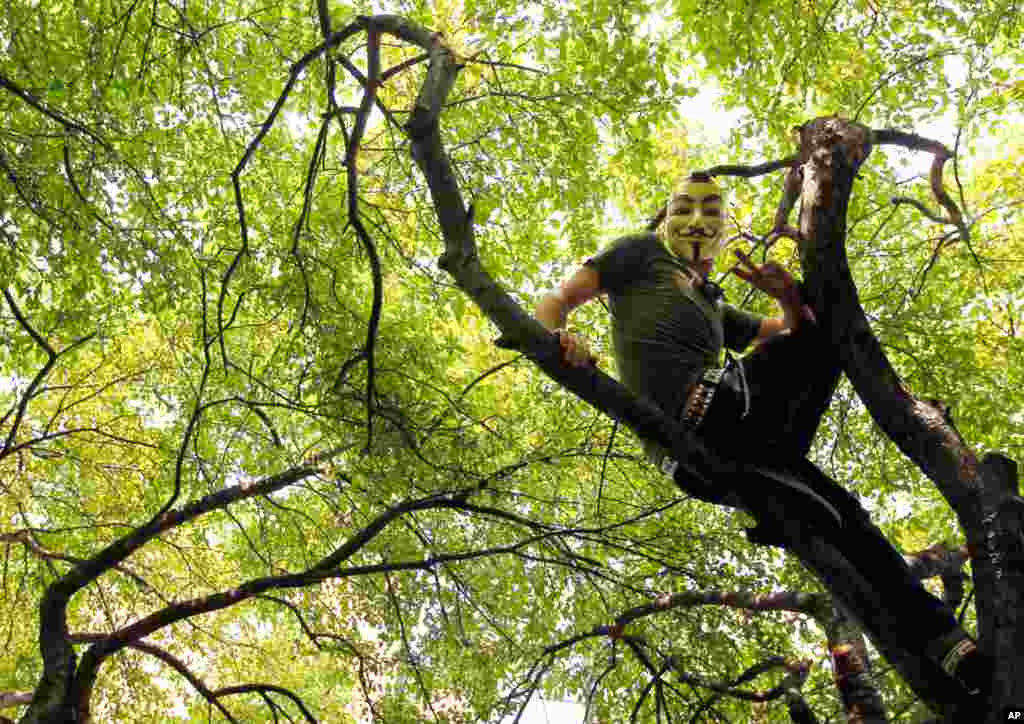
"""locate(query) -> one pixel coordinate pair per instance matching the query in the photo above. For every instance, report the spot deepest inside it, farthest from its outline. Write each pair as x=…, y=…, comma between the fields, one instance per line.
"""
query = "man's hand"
x=776, y=282
x=575, y=350
x=770, y=278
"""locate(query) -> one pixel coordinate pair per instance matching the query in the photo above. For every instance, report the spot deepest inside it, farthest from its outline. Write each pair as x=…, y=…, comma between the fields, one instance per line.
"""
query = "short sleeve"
x=739, y=328
x=622, y=261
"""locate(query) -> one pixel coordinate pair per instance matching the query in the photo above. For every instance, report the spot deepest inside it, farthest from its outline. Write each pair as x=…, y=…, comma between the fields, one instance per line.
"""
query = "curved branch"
x=263, y=689
x=26, y=538
x=940, y=155
x=740, y=170
x=179, y=666
x=352, y=169
x=750, y=171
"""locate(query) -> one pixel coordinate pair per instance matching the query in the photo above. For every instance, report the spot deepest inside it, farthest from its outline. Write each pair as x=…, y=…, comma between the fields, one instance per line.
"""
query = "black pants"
x=791, y=380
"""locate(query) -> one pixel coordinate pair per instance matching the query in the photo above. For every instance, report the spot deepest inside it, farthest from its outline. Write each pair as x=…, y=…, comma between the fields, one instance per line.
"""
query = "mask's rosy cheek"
x=675, y=227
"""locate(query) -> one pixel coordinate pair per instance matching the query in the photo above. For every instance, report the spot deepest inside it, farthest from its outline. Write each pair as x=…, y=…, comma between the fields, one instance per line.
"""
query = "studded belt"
x=698, y=401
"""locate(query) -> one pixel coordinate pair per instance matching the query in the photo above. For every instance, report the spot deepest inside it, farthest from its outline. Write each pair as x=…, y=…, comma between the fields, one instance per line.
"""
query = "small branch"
x=740, y=170
x=750, y=171
x=60, y=118
x=25, y=538
x=193, y=421
x=940, y=155
x=52, y=357
x=807, y=603
x=69, y=170
x=296, y=71
x=798, y=671
x=316, y=159
x=410, y=656
x=928, y=213
x=604, y=466
x=405, y=65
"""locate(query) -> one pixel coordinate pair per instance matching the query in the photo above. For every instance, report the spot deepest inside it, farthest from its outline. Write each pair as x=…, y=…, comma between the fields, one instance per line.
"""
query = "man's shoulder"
x=646, y=241
x=634, y=247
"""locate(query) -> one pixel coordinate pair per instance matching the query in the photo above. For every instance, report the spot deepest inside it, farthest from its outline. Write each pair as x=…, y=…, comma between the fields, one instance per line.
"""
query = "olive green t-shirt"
x=665, y=332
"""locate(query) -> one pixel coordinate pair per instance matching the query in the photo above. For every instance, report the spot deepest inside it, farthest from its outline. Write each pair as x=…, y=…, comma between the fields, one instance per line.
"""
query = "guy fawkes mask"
x=693, y=225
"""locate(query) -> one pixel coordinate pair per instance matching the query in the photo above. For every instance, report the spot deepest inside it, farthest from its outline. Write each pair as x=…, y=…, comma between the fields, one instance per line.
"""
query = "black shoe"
x=973, y=670
x=959, y=657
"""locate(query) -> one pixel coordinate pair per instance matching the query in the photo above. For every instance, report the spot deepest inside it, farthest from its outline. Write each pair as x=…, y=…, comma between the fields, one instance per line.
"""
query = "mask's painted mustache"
x=695, y=232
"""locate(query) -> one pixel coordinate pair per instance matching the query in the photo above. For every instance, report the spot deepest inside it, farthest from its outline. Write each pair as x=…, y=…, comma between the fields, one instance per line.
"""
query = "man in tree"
x=668, y=328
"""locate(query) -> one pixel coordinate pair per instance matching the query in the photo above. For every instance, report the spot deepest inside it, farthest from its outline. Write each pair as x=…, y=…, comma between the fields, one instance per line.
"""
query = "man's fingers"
x=575, y=352
x=742, y=274
x=745, y=260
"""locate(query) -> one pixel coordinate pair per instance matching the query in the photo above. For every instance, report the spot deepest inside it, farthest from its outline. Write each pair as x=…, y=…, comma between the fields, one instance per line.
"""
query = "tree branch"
x=940, y=154
x=265, y=688
x=51, y=359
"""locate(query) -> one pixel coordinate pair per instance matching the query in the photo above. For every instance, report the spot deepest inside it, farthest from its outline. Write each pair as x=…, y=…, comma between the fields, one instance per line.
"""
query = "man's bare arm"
x=554, y=307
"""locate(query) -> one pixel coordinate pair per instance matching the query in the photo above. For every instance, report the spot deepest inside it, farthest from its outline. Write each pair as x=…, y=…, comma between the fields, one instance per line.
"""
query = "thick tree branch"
x=983, y=495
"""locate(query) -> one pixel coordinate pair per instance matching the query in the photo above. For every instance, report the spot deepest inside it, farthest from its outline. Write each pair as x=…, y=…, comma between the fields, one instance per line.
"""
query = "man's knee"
x=839, y=497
